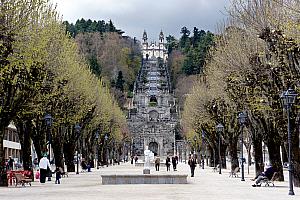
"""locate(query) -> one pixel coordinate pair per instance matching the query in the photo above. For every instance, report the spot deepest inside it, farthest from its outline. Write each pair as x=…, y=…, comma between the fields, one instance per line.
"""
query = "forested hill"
x=111, y=56
x=187, y=58
x=89, y=26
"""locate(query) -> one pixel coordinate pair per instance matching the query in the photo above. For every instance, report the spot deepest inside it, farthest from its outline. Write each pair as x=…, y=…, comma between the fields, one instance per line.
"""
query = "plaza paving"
x=205, y=185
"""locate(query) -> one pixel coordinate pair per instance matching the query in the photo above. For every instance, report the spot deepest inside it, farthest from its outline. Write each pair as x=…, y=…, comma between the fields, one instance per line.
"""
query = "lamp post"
x=220, y=129
x=106, y=138
x=264, y=151
x=242, y=120
x=97, y=148
x=196, y=150
x=288, y=99
x=77, y=130
x=203, y=149
x=48, y=119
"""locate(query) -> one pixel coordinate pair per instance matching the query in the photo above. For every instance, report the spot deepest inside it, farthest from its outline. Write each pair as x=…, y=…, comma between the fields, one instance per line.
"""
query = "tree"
x=120, y=81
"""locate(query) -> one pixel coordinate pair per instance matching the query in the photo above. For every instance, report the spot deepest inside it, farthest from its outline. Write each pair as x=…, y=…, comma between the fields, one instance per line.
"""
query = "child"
x=37, y=174
x=58, y=175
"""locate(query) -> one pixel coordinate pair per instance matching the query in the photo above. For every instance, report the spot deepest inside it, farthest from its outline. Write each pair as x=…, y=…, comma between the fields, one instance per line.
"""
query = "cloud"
x=133, y=16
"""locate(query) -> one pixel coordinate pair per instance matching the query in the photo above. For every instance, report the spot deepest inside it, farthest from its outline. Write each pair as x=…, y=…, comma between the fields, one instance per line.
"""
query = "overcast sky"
x=133, y=16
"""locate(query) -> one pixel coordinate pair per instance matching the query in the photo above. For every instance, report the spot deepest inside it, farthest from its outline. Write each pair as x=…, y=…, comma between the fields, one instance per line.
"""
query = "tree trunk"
x=258, y=157
x=3, y=175
x=223, y=155
x=69, y=151
x=274, y=155
x=233, y=152
x=57, y=146
x=284, y=153
x=295, y=151
x=24, y=130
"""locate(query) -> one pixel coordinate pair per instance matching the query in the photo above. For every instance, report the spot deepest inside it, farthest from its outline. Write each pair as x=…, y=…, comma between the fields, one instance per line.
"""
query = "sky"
x=135, y=16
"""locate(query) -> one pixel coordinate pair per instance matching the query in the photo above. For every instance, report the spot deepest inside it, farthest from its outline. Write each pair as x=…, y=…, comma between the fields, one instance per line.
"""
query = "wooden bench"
x=22, y=180
x=235, y=172
x=268, y=182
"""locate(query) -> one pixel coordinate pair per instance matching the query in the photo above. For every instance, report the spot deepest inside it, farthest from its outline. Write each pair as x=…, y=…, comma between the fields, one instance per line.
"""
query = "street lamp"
x=106, y=138
x=288, y=99
x=196, y=148
x=242, y=120
x=220, y=129
x=264, y=151
x=203, y=137
x=77, y=130
x=97, y=148
x=48, y=119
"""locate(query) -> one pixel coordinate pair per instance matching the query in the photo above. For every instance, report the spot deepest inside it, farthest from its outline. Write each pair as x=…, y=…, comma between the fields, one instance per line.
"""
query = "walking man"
x=44, y=165
x=192, y=164
x=157, y=163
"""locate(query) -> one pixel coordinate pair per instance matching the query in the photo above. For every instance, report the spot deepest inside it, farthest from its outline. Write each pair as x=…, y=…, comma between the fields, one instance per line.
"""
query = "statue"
x=148, y=156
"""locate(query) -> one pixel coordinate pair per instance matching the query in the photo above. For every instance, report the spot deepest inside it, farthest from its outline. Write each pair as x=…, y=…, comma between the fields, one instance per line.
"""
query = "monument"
x=148, y=157
x=153, y=115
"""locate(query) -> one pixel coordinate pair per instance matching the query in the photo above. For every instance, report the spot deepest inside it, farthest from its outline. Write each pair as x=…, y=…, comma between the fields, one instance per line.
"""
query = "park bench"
x=22, y=180
x=234, y=173
x=268, y=182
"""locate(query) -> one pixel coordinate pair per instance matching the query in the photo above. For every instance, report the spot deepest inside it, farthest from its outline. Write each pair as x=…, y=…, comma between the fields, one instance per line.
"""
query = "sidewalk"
x=205, y=185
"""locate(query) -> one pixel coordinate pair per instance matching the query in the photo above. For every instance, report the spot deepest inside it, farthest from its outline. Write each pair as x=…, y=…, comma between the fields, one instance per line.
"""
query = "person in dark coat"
x=58, y=175
x=192, y=163
x=174, y=163
x=266, y=174
x=168, y=163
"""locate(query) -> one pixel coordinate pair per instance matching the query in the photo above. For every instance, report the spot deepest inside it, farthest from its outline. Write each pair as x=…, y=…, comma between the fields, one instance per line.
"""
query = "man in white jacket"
x=44, y=164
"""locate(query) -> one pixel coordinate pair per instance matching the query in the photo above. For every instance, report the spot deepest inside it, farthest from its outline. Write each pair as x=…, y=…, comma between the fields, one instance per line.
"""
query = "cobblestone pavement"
x=205, y=185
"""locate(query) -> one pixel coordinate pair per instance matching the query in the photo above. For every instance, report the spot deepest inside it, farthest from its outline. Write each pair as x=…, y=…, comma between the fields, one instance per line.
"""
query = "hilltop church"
x=153, y=111
x=153, y=49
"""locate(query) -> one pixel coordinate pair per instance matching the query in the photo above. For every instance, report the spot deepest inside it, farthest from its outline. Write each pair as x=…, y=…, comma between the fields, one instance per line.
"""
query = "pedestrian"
x=37, y=174
x=44, y=167
x=168, y=163
x=58, y=175
x=157, y=163
x=132, y=160
x=10, y=163
x=268, y=173
x=192, y=164
x=174, y=163
x=136, y=159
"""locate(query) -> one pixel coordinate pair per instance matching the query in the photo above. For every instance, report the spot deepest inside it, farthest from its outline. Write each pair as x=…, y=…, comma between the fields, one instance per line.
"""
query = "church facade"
x=154, y=49
x=153, y=111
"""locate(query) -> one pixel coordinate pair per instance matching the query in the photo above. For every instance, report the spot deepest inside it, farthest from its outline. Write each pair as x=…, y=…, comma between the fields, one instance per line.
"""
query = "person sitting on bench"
x=266, y=174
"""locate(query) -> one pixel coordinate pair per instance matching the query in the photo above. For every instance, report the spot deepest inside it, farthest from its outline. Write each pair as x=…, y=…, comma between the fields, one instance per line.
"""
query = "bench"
x=268, y=182
x=22, y=180
x=234, y=173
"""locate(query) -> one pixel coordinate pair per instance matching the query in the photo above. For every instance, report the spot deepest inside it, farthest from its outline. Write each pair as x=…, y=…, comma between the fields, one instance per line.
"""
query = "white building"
x=154, y=50
x=11, y=143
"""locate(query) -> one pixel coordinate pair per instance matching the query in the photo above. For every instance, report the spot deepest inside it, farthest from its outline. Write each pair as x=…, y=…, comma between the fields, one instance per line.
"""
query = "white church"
x=154, y=50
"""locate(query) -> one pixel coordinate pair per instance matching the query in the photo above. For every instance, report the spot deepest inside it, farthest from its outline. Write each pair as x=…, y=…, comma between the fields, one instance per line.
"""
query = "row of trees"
x=42, y=72
x=114, y=58
x=255, y=59
x=187, y=58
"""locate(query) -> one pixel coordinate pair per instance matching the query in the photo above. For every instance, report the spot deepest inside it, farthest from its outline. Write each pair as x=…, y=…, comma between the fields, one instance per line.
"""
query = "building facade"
x=11, y=143
x=153, y=114
x=153, y=49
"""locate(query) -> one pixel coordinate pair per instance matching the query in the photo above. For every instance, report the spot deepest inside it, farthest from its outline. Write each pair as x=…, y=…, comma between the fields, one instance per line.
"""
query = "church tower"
x=154, y=50
x=145, y=40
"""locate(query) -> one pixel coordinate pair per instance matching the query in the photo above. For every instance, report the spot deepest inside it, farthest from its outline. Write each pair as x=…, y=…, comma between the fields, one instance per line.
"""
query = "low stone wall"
x=141, y=164
x=143, y=179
